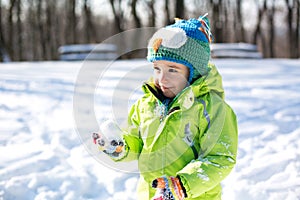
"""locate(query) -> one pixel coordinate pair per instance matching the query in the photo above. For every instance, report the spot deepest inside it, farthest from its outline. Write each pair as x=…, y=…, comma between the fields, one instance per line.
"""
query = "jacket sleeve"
x=133, y=141
x=218, y=149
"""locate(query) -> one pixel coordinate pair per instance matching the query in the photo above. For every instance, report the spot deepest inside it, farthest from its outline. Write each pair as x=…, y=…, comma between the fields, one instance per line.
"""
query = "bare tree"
x=71, y=32
x=226, y=21
x=59, y=25
x=293, y=26
x=90, y=31
x=32, y=39
x=258, y=32
x=297, y=51
x=167, y=11
x=49, y=36
x=152, y=13
x=290, y=26
x=240, y=36
x=11, y=29
x=19, y=31
x=270, y=15
x=217, y=24
x=3, y=52
x=118, y=14
x=41, y=30
x=179, y=8
x=136, y=18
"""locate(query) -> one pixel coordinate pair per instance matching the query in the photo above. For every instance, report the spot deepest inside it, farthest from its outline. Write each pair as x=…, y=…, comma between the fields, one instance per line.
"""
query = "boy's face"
x=170, y=77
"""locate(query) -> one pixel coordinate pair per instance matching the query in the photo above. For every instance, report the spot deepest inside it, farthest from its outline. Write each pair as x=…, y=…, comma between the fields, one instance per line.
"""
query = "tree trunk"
x=226, y=30
x=297, y=51
x=70, y=33
x=33, y=37
x=90, y=32
x=11, y=29
x=167, y=11
x=54, y=31
x=151, y=13
x=20, y=45
x=258, y=31
x=58, y=30
x=290, y=27
x=41, y=30
x=271, y=13
x=48, y=29
x=179, y=8
x=239, y=23
x=3, y=52
x=136, y=19
x=217, y=20
x=73, y=21
x=117, y=17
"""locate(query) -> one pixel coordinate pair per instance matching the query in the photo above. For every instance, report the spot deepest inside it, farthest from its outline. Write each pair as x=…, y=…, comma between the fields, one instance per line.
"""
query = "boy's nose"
x=163, y=77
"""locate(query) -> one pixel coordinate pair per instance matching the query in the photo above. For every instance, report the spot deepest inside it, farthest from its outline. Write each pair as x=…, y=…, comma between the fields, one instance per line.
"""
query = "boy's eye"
x=173, y=70
x=156, y=68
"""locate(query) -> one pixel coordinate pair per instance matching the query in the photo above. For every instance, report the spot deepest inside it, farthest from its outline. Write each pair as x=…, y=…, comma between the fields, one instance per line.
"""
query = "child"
x=181, y=131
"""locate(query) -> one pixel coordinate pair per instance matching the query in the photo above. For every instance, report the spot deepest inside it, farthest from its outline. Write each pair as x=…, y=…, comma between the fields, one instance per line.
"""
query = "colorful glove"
x=110, y=139
x=168, y=188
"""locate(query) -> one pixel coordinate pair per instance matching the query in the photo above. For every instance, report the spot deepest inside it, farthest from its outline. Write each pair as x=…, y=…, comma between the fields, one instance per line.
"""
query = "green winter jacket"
x=195, y=138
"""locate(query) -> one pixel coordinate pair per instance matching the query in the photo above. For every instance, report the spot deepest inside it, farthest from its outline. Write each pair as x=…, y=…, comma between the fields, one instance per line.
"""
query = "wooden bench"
x=88, y=52
x=235, y=50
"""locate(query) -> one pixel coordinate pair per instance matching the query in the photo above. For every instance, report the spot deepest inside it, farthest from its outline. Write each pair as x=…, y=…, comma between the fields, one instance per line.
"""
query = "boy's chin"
x=169, y=94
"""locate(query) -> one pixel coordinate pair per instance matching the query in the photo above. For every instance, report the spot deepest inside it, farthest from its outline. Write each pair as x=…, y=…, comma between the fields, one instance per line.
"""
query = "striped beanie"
x=185, y=42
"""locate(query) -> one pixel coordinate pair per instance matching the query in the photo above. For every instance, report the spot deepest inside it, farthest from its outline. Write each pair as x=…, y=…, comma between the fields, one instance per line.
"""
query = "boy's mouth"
x=167, y=90
x=163, y=87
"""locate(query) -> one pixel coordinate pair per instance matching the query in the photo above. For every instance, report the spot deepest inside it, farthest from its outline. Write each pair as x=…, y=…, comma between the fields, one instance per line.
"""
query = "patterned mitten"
x=168, y=188
x=110, y=140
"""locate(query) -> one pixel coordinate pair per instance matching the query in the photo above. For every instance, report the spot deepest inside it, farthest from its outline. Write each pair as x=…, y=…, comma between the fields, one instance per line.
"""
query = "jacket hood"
x=212, y=82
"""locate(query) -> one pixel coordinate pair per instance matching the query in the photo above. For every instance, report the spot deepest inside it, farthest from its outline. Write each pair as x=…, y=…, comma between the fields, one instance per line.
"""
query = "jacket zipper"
x=172, y=111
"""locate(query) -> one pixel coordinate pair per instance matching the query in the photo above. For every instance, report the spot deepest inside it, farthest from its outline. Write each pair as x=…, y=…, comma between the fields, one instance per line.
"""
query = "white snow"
x=46, y=151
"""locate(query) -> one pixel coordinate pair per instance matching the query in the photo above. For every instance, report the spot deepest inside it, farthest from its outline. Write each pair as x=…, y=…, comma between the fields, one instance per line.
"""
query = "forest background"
x=33, y=30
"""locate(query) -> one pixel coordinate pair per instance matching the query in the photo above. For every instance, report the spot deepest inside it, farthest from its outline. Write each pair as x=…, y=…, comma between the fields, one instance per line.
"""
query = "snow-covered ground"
x=47, y=110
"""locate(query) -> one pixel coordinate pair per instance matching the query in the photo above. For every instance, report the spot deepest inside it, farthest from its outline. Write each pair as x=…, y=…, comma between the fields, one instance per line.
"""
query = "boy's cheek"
x=156, y=83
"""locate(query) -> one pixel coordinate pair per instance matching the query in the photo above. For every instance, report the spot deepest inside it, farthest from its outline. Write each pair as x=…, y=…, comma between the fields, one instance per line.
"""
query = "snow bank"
x=43, y=157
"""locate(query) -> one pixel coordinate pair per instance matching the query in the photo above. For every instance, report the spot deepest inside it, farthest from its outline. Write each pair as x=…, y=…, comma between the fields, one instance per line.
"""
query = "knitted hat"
x=185, y=42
